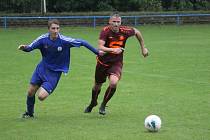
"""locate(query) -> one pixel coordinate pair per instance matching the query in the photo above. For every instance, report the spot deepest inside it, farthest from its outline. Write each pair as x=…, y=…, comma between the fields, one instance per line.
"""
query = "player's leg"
x=43, y=94
x=33, y=87
x=95, y=92
x=100, y=78
x=51, y=79
x=113, y=80
x=43, y=79
x=114, y=76
x=30, y=101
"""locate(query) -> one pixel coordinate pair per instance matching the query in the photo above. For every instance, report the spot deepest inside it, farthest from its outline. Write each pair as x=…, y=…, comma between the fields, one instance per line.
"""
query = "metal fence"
x=93, y=21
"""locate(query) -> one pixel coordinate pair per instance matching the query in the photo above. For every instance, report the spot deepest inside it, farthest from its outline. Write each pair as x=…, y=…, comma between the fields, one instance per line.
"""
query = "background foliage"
x=55, y=6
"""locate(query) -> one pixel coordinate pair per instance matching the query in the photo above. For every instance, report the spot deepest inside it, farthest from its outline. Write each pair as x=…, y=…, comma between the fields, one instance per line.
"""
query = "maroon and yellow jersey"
x=114, y=40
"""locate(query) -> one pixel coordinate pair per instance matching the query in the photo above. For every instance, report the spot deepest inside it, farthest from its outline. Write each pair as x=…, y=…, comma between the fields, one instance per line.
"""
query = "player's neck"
x=53, y=37
x=115, y=29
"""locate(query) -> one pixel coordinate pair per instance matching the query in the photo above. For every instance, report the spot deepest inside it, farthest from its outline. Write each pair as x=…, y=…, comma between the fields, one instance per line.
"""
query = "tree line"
x=59, y=6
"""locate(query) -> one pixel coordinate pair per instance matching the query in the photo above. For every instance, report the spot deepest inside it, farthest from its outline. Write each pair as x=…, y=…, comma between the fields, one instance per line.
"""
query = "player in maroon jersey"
x=112, y=41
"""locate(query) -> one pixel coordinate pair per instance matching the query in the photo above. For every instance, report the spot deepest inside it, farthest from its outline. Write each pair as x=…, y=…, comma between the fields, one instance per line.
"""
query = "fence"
x=94, y=21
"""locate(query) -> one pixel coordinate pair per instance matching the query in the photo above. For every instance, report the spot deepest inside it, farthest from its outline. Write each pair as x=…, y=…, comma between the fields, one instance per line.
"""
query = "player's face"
x=115, y=23
x=54, y=30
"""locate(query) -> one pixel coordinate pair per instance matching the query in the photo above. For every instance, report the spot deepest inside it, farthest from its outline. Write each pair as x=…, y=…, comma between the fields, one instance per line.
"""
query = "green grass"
x=173, y=82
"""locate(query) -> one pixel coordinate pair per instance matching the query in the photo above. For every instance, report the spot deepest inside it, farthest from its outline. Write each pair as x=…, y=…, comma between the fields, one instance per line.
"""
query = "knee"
x=113, y=84
x=43, y=94
x=31, y=92
x=32, y=89
x=41, y=97
x=113, y=81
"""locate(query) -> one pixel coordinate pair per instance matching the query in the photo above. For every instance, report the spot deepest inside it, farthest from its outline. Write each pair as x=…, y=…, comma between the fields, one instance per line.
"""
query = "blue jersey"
x=56, y=53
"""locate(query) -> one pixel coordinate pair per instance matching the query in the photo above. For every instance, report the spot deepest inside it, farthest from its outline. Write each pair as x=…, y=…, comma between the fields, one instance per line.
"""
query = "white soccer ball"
x=152, y=123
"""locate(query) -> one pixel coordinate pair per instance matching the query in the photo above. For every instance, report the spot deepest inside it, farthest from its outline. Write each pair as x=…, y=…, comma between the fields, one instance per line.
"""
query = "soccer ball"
x=152, y=123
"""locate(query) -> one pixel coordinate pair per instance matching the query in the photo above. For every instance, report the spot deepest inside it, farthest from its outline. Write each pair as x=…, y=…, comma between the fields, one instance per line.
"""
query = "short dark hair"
x=115, y=14
x=53, y=21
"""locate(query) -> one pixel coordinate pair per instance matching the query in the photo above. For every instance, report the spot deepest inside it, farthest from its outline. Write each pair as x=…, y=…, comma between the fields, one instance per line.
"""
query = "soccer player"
x=112, y=41
x=55, y=50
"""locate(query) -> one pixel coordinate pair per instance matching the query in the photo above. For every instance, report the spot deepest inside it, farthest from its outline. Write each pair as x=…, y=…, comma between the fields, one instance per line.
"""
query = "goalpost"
x=44, y=3
x=43, y=7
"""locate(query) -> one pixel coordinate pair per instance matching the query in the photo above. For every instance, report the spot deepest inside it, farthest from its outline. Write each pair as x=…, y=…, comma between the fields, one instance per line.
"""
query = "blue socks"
x=30, y=104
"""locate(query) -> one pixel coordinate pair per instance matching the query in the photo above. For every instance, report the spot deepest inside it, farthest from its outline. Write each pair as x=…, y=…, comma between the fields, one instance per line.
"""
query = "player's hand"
x=101, y=53
x=145, y=52
x=117, y=50
x=22, y=47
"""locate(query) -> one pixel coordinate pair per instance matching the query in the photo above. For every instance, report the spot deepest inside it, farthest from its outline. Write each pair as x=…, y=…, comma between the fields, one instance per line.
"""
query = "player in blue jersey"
x=55, y=50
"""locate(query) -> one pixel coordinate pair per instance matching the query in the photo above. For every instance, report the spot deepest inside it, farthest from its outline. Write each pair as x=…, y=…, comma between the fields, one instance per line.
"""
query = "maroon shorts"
x=102, y=71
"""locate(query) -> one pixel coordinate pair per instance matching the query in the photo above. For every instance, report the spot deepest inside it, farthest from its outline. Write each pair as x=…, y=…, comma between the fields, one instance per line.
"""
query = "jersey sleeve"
x=36, y=44
x=87, y=45
x=132, y=32
x=71, y=42
x=129, y=31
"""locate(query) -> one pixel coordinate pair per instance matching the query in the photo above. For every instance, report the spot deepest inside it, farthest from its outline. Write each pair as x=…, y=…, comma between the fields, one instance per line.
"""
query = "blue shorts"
x=45, y=78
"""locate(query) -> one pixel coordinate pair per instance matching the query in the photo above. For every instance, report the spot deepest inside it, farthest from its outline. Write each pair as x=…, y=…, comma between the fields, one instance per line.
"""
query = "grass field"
x=173, y=82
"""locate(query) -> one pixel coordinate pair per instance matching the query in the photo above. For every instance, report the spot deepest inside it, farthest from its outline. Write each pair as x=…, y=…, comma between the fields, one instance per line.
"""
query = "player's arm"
x=101, y=46
x=139, y=37
x=22, y=47
x=34, y=45
x=88, y=46
x=25, y=48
